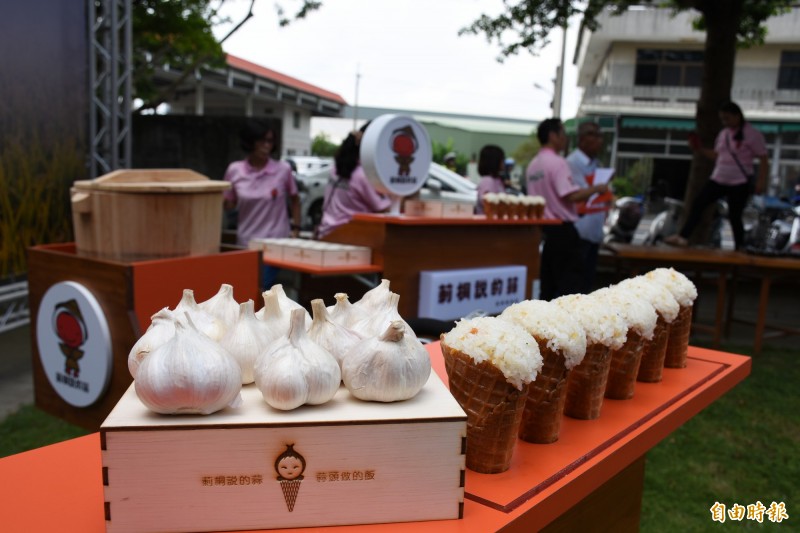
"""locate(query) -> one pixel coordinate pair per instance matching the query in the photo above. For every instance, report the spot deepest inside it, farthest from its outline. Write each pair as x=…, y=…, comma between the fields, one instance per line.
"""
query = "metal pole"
x=355, y=104
x=560, y=76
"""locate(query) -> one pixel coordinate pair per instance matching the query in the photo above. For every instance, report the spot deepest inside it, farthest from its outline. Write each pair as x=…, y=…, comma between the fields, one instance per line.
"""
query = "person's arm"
x=763, y=170
x=584, y=194
x=294, y=206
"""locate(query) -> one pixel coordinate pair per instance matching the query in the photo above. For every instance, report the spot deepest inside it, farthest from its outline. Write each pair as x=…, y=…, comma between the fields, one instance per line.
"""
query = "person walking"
x=733, y=177
x=548, y=174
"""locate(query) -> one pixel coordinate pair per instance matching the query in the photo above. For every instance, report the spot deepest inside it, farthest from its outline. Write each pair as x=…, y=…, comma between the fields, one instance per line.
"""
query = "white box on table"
x=270, y=248
x=457, y=210
x=363, y=463
x=414, y=208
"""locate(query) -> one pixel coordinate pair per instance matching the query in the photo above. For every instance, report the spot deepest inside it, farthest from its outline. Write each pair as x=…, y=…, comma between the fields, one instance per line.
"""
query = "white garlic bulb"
x=222, y=306
x=345, y=313
x=202, y=320
x=189, y=374
x=279, y=300
x=374, y=297
x=381, y=316
x=161, y=329
x=246, y=339
x=296, y=370
x=389, y=368
x=335, y=338
x=275, y=319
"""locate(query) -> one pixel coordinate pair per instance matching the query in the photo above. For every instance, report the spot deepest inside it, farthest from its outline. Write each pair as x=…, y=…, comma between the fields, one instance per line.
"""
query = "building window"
x=669, y=68
x=789, y=74
x=296, y=120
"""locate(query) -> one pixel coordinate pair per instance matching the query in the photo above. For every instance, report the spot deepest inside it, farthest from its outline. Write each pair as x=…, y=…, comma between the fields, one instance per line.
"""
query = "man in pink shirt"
x=549, y=176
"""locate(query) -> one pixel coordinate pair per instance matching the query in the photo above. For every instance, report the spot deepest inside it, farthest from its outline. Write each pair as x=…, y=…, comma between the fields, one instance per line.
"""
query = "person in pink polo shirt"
x=260, y=189
x=349, y=191
x=548, y=175
x=491, y=165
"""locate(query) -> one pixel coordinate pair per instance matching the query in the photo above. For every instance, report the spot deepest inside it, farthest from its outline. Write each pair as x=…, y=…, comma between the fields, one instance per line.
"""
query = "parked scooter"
x=623, y=219
x=772, y=227
x=666, y=223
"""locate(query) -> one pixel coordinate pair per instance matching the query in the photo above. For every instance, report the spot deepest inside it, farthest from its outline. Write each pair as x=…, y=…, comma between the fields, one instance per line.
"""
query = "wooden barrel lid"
x=153, y=181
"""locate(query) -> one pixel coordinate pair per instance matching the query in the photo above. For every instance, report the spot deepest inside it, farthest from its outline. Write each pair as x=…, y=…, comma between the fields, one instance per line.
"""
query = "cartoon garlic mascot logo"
x=290, y=466
x=70, y=328
x=404, y=144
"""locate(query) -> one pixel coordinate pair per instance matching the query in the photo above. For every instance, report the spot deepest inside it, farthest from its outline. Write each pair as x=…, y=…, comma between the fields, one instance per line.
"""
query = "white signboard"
x=74, y=343
x=452, y=294
x=396, y=155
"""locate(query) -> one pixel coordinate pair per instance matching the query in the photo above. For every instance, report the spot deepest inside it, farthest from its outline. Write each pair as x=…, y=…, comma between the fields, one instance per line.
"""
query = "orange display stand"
x=129, y=294
x=591, y=478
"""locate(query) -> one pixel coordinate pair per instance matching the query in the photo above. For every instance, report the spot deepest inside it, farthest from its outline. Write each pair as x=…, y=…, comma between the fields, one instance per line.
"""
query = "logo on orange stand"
x=404, y=144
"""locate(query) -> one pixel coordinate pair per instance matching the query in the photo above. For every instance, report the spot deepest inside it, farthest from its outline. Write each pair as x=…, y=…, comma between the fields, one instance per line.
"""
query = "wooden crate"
x=363, y=463
x=134, y=215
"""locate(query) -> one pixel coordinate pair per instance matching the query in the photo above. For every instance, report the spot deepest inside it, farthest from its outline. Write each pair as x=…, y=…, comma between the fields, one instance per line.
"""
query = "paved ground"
x=16, y=382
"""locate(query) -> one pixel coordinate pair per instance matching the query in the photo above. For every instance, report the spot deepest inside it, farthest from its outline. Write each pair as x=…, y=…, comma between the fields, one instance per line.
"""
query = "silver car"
x=442, y=184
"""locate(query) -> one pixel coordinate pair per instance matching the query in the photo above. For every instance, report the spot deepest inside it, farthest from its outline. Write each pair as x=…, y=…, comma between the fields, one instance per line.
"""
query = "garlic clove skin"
x=374, y=297
x=203, y=321
x=222, y=306
x=161, y=330
x=389, y=368
x=189, y=374
x=286, y=304
x=335, y=338
x=381, y=317
x=345, y=313
x=246, y=339
x=276, y=319
x=314, y=366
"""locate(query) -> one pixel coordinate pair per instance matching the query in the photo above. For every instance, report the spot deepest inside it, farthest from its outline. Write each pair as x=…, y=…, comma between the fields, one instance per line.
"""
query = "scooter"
x=773, y=227
x=623, y=219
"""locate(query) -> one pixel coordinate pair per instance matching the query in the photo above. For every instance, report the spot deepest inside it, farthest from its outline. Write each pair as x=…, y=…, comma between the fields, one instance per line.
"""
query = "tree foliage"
x=179, y=33
x=322, y=146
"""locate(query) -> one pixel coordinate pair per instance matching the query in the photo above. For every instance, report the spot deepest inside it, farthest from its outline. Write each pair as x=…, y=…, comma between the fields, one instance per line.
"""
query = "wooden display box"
x=363, y=463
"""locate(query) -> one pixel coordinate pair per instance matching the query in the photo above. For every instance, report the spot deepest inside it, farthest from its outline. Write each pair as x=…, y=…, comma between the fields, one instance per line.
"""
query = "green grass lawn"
x=743, y=448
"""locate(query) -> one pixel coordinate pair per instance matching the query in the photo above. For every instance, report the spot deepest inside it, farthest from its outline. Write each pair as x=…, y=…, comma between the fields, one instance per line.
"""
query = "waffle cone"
x=538, y=211
x=678, y=340
x=290, y=488
x=652, y=366
x=489, y=209
x=493, y=407
x=586, y=383
x=624, y=367
x=544, y=405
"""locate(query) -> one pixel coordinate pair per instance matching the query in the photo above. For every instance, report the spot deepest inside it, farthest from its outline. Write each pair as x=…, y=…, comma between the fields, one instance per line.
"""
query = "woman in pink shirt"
x=349, y=191
x=260, y=189
x=491, y=164
x=735, y=148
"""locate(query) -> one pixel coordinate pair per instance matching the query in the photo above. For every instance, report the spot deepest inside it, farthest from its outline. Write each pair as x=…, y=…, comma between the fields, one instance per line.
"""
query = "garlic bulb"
x=161, y=330
x=246, y=339
x=222, y=306
x=203, y=321
x=189, y=374
x=335, y=338
x=380, y=317
x=374, y=297
x=275, y=319
x=296, y=371
x=285, y=304
x=389, y=368
x=345, y=313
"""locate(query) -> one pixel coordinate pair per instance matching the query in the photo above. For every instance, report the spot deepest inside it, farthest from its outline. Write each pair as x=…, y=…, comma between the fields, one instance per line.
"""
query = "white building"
x=641, y=74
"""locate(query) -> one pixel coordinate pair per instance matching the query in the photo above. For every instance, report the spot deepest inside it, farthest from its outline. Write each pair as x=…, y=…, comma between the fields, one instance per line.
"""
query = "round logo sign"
x=396, y=154
x=74, y=343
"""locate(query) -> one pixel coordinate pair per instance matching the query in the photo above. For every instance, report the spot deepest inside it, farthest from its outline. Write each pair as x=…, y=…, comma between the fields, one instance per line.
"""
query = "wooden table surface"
x=60, y=487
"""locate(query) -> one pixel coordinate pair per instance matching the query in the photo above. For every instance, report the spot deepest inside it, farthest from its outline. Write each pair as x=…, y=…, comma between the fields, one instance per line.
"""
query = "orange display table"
x=590, y=478
x=402, y=246
x=129, y=294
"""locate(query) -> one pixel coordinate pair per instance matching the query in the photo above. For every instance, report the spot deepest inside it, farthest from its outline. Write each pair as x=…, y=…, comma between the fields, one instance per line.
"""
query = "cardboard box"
x=270, y=248
x=457, y=210
x=432, y=209
x=324, y=254
x=362, y=463
x=414, y=208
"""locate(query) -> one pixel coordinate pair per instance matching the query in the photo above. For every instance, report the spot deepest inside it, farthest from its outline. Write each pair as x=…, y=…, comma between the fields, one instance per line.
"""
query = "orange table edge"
x=60, y=487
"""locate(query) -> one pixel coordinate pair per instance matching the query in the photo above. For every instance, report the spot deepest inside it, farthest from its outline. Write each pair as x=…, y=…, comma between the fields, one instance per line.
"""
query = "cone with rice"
x=606, y=330
x=489, y=365
x=685, y=293
x=562, y=343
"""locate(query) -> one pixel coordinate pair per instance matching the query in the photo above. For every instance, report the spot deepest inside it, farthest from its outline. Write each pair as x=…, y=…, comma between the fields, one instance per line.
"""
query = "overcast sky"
x=409, y=56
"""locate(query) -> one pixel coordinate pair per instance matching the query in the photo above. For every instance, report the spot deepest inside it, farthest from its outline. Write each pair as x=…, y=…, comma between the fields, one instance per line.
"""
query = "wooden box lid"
x=177, y=180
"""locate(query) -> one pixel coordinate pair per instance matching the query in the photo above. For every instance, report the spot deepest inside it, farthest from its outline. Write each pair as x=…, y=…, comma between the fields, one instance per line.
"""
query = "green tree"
x=322, y=146
x=727, y=23
x=180, y=33
x=442, y=149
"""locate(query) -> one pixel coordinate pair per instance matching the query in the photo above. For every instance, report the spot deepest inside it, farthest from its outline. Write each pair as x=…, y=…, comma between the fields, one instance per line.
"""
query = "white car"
x=442, y=184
